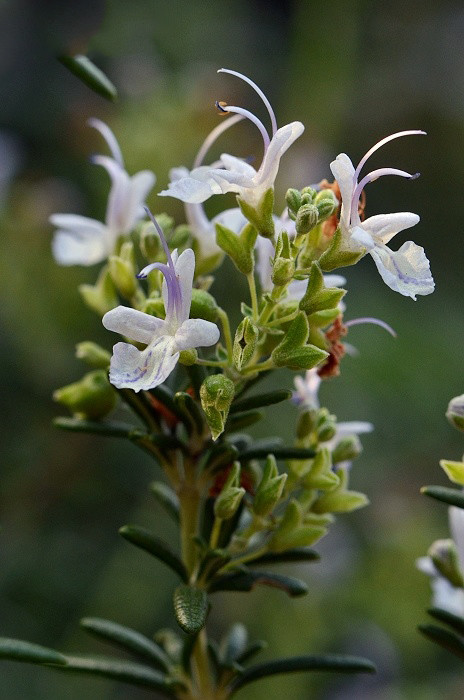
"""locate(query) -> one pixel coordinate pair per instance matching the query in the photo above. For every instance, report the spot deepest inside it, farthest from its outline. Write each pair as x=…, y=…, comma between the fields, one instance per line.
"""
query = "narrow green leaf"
x=140, y=537
x=190, y=607
x=327, y=662
x=444, y=638
x=453, y=497
x=83, y=68
x=220, y=454
x=454, y=621
x=108, y=428
x=18, y=650
x=260, y=400
x=290, y=555
x=245, y=580
x=251, y=650
x=166, y=397
x=126, y=671
x=126, y=638
x=141, y=406
x=242, y=420
x=167, y=498
x=283, y=452
x=192, y=415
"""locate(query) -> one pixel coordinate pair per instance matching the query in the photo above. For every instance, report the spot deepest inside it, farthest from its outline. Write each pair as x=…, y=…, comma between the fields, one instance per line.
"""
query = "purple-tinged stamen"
x=109, y=137
x=369, y=319
x=381, y=143
x=169, y=272
x=213, y=136
x=260, y=93
x=371, y=177
x=248, y=115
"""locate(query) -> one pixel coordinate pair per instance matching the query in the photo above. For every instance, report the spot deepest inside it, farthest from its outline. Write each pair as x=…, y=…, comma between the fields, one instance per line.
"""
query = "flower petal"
x=140, y=185
x=196, y=187
x=281, y=142
x=79, y=240
x=354, y=427
x=134, y=369
x=343, y=171
x=196, y=332
x=406, y=270
x=133, y=324
x=384, y=226
x=237, y=165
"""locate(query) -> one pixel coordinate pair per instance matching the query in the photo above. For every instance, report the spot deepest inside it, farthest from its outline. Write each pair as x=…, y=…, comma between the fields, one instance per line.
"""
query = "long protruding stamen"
x=164, y=242
x=109, y=137
x=369, y=319
x=213, y=136
x=370, y=177
x=260, y=93
x=381, y=143
x=223, y=107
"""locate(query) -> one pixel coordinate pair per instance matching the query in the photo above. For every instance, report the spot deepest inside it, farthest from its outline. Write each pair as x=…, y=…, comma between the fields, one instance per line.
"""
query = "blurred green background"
x=353, y=73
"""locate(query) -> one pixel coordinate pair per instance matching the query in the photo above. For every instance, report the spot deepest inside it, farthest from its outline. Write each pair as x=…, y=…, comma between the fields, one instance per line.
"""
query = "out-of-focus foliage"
x=352, y=72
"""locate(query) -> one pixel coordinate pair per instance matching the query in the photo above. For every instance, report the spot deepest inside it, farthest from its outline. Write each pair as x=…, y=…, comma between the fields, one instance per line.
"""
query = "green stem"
x=215, y=532
x=211, y=363
x=263, y=367
x=253, y=295
x=189, y=502
x=282, y=319
x=202, y=667
x=243, y=559
x=271, y=303
x=227, y=334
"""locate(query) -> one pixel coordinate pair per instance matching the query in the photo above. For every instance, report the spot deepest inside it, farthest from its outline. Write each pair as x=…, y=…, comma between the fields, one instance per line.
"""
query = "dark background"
x=353, y=73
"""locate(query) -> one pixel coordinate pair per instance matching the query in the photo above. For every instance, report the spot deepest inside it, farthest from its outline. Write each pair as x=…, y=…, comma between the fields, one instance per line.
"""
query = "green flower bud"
x=203, y=305
x=282, y=271
x=347, y=449
x=306, y=218
x=320, y=475
x=326, y=431
x=149, y=242
x=326, y=203
x=292, y=532
x=122, y=271
x=293, y=200
x=180, y=236
x=188, y=357
x=444, y=555
x=102, y=296
x=340, y=500
x=270, y=489
x=455, y=412
x=308, y=195
x=454, y=471
x=216, y=394
x=91, y=397
x=305, y=424
x=246, y=337
x=228, y=501
x=155, y=307
x=93, y=354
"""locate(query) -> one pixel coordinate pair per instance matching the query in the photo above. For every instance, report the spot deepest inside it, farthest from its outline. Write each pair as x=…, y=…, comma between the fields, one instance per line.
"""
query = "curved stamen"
x=369, y=319
x=259, y=91
x=109, y=137
x=223, y=107
x=213, y=136
x=381, y=143
x=370, y=177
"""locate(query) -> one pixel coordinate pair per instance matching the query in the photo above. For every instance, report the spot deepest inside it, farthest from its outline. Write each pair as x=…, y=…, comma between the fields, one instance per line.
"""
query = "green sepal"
x=340, y=501
x=445, y=557
x=93, y=354
x=91, y=397
x=260, y=400
x=167, y=498
x=239, y=247
x=323, y=318
x=122, y=270
x=292, y=351
x=293, y=532
x=216, y=394
x=335, y=256
x=454, y=471
x=126, y=638
x=260, y=217
x=203, y=305
x=452, y=497
x=320, y=474
x=102, y=296
x=18, y=650
x=318, y=297
x=270, y=488
x=190, y=607
x=454, y=621
x=92, y=76
x=245, y=340
x=444, y=638
x=326, y=662
x=244, y=581
x=231, y=495
x=144, y=539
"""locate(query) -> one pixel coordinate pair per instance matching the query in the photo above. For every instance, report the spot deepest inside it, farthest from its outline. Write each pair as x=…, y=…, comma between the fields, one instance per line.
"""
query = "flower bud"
x=228, y=501
x=181, y=235
x=306, y=219
x=149, y=242
x=203, y=305
x=93, y=354
x=188, y=357
x=122, y=270
x=455, y=412
x=246, y=337
x=320, y=475
x=292, y=532
x=270, y=489
x=326, y=430
x=326, y=203
x=293, y=199
x=91, y=397
x=444, y=555
x=305, y=424
x=347, y=449
x=102, y=296
x=454, y=470
x=155, y=307
x=282, y=271
x=216, y=394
